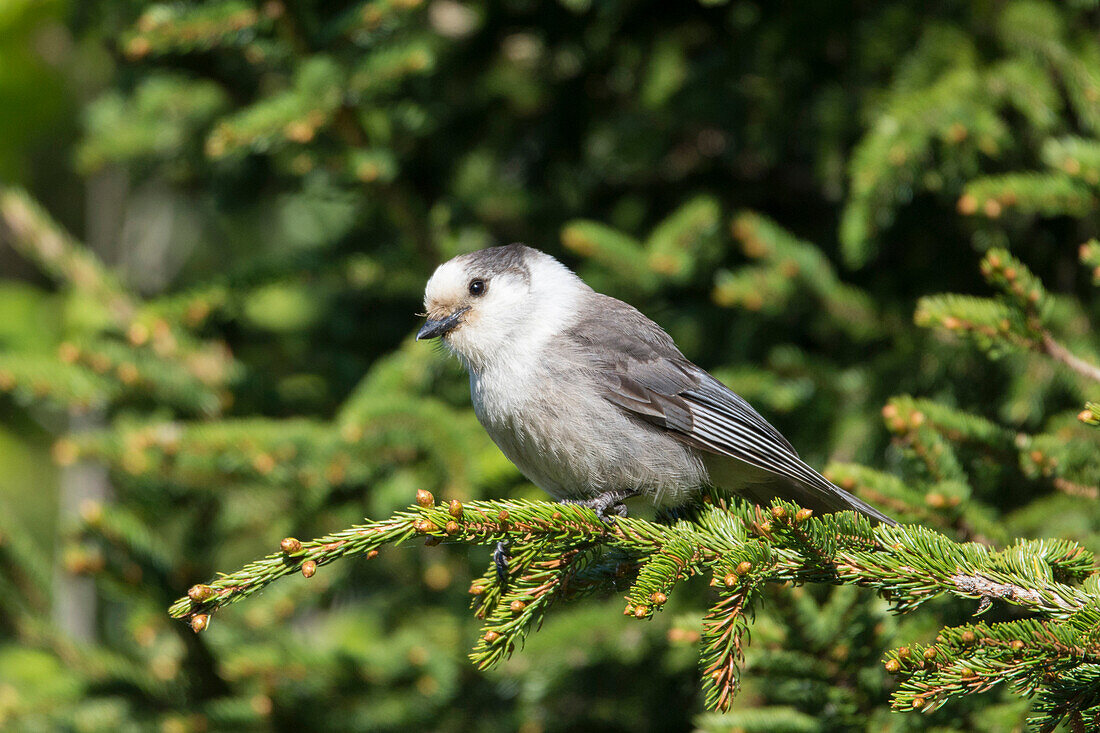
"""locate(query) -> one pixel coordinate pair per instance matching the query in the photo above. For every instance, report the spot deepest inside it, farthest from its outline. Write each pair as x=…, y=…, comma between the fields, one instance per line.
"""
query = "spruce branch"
x=725, y=633
x=1043, y=194
x=1035, y=657
x=1089, y=254
x=934, y=432
x=563, y=552
x=1017, y=322
x=789, y=267
x=33, y=233
x=164, y=30
x=123, y=345
x=1062, y=355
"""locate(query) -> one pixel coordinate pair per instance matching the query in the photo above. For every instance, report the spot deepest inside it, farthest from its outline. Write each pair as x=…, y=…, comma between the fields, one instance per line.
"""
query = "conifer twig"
x=1064, y=356
x=561, y=552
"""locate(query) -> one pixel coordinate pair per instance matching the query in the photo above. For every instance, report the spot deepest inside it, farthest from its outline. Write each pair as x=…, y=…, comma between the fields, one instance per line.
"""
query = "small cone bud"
x=127, y=373
x=68, y=352
x=424, y=498
x=1084, y=415
x=455, y=508
x=968, y=637
x=1017, y=646
x=490, y=637
x=744, y=567
x=452, y=527
x=629, y=610
x=903, y=653
x=65, y=452
x=779, y=512
x=640, y=611
x=918, y=702
x=658, y=598
x=803, y=515
x=200, y=593
x=517, y=606
x=930, y=653
x=200, y=622
x=476, y=590
x=892, y=666
x=730, y=580
x=309, y=567
x=138, y=333
x=502, y=515
x=290, y=546
x=91, y=511
x=372, y=554
x=263, y=463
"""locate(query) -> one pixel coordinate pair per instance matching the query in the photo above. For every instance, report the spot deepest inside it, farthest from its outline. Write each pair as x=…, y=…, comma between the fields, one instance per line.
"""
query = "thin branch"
x=985, y=588
x=892, y=560
x=560, y=552
x=1061, y=354
x=1071, y=488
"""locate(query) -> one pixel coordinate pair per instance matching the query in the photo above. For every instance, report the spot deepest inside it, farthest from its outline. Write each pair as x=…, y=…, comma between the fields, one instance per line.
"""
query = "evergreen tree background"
x=215, y=226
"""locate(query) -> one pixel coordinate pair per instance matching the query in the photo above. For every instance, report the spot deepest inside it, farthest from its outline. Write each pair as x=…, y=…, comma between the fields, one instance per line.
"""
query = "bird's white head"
x=500, y=303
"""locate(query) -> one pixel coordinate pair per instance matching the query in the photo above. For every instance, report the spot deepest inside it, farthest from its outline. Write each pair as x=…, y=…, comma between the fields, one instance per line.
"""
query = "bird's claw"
x=608, y=505
x=500, y=559
x=611, y=513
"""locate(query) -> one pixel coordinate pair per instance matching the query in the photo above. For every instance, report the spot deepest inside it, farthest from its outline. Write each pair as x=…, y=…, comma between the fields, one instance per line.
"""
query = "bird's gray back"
x=640, y=370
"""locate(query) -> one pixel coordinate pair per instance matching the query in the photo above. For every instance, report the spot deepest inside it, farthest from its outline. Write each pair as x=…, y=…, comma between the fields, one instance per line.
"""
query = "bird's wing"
x=640, y=370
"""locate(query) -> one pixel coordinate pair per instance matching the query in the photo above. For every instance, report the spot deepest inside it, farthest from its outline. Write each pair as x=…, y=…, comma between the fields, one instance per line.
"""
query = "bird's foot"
x=500, y=559
x=608, y=505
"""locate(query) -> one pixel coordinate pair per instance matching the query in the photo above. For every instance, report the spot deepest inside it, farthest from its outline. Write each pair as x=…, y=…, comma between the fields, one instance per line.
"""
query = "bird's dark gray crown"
x=510, y=258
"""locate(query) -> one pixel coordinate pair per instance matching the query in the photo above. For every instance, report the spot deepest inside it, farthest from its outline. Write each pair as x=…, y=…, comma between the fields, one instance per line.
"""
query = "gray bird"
x=594, y=403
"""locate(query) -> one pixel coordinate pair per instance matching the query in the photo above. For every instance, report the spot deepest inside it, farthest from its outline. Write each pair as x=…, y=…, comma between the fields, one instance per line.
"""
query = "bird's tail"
x=814, y=491
x=822, y=497
x=832, y=498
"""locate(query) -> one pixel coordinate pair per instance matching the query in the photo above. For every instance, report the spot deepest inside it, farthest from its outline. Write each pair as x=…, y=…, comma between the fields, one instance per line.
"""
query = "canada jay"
x=593, y=401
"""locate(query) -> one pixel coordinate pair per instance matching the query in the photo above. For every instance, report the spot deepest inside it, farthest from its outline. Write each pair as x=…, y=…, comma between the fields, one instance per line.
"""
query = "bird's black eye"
x=477, y=287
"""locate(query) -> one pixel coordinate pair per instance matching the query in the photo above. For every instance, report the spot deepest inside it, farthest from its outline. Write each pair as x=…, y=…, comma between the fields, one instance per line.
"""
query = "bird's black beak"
x=433, y=328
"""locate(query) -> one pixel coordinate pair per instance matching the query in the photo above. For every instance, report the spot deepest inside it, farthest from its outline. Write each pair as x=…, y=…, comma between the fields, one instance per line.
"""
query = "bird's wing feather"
x=641, y=371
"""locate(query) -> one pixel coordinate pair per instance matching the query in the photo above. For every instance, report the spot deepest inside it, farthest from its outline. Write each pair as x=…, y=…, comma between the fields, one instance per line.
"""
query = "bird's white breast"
x=548, y=418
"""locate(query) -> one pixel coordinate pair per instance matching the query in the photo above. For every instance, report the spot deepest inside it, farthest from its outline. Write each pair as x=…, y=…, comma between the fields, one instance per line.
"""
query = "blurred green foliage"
x=257, y=193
